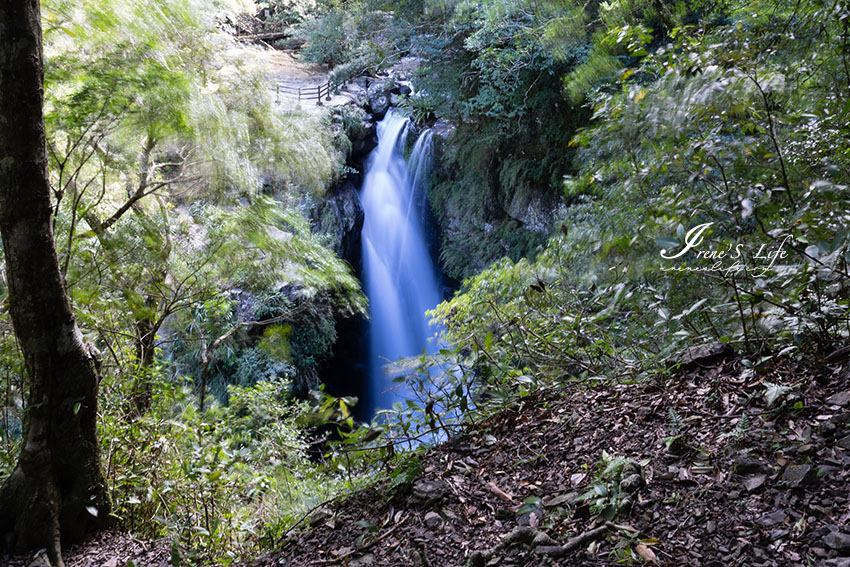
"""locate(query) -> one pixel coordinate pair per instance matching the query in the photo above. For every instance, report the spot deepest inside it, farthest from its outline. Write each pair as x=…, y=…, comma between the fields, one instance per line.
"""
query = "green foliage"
x=352, y=40
x=166, y=79
x=349, y=123
x=285, y=13
x=220, y=483
x=604, y=496
x=402, y=477
x=712, y=126
x=487, y=71
x=149, y=108
x=162, y=138
x=630, y=122
x=12, y=392
x=421, y=109
x=327, y=39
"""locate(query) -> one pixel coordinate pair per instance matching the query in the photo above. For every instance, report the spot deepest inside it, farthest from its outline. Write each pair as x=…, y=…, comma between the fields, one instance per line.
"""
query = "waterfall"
x=399, y=275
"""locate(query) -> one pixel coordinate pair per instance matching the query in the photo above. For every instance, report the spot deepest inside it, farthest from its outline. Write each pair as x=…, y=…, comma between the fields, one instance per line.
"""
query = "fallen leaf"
x=646, y=554
x=839, y=399
x=556, y=500
x=491, y=486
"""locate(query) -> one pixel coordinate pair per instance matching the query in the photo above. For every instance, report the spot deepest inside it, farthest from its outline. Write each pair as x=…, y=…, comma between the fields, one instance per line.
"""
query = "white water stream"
x=399, y=275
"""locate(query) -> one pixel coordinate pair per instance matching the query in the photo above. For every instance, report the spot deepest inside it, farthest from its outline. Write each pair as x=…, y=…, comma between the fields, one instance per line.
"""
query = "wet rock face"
x=364, y=140
x=378, y=96
x=340, y=216
x=443, y=128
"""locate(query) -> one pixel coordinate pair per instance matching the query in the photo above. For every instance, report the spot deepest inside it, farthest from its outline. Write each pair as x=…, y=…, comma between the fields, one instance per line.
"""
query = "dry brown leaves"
x=768, y=491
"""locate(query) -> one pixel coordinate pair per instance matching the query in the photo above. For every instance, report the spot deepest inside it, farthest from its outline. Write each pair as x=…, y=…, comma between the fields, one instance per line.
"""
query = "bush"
x=326, y=39
x=221, y=483
x=709, y=132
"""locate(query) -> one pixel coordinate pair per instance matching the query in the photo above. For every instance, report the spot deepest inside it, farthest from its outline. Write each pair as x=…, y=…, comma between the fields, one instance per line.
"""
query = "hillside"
x=694, y=468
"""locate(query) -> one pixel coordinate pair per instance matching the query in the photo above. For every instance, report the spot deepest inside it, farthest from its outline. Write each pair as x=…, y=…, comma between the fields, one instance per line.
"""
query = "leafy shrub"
x=421, y=109
x=220, y=483
x=326, y=37
x=709, y=130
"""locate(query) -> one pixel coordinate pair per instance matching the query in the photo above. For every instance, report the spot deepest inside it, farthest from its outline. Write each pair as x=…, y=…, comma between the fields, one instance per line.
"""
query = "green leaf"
x=367, y=525
x=488, y=341
x=666, y=242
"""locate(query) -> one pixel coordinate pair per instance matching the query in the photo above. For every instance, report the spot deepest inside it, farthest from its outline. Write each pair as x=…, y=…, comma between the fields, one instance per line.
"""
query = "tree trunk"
x=57, y=486
x=141, y=398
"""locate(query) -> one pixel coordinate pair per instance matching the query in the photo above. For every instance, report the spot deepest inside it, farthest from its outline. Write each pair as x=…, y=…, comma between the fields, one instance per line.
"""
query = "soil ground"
x=714, y=488
x=105, y=549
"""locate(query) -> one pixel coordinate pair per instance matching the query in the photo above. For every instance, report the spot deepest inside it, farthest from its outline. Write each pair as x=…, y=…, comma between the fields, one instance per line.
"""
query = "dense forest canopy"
x=614, y=182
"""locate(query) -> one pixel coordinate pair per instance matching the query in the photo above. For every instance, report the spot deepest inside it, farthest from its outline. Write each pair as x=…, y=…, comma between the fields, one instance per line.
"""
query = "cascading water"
x=399, y=274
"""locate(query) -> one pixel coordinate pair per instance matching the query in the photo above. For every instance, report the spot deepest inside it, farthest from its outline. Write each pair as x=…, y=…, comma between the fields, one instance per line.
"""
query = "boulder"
x=379, y=98
x=401, y=87
x=433, y=520
x=357, y=92
x=747, y=465
x=631, y=478
x=426, y=492
x=704, y=355
x=319, y=517
x=798, y=475
x=406, y=67
x=838, y=541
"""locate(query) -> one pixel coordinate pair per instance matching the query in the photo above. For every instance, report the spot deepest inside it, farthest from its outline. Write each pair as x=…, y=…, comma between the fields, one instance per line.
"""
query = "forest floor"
x=682, y=476
x=685, y=479
x=104, y=549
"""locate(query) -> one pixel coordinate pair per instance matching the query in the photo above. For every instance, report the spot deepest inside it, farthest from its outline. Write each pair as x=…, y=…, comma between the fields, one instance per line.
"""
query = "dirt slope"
x=701, y=486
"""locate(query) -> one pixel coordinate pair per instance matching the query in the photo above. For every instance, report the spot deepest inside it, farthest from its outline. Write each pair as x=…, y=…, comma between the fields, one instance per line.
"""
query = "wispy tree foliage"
x=176, y=185
x=728, y=115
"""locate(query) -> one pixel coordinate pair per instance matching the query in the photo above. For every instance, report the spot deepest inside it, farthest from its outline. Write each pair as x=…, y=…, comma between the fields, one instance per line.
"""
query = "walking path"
x=287, y=74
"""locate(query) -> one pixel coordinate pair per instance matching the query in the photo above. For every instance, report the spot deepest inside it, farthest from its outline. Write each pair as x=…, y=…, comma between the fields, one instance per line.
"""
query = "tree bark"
x=57, y=485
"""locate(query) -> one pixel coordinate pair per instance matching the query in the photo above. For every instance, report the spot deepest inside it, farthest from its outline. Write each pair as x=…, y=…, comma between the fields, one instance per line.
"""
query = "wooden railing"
x=317, y=93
